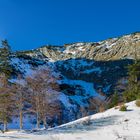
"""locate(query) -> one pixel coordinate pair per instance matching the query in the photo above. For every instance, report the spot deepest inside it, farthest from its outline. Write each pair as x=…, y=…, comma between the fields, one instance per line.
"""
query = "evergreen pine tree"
x=133, y=90
x=5, y=66
x=6, y=99
x=114, y=100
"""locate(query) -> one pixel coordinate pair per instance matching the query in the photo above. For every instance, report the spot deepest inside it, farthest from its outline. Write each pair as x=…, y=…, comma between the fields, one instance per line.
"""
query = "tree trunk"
x=38, y=121
x=45, y=123
x=21, y=120
x=5, y=126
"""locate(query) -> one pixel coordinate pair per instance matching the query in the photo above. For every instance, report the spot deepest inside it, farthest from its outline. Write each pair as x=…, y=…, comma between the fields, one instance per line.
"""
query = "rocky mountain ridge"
x=110, y=49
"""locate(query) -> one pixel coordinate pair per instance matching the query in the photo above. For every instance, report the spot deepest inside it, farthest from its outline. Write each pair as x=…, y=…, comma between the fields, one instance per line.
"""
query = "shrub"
x=137, y=103
x=101, y=108
x=123, y=108
x=114, y=100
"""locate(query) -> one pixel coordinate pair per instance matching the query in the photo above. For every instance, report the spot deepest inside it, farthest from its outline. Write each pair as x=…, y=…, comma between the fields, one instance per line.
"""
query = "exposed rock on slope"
x=110, y=49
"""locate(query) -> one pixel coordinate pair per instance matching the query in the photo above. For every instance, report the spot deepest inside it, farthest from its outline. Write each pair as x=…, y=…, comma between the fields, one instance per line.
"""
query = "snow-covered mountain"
x=89, y=71
x=109, y=125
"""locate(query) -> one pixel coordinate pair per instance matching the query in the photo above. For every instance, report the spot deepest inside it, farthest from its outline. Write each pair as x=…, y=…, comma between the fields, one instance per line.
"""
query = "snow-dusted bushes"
x=123, y=108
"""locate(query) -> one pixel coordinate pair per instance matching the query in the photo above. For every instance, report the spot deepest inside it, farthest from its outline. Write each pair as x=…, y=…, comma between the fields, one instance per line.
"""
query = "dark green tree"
x=6, y=99
x=5, y=52
x=114, y=100
x=133, y=89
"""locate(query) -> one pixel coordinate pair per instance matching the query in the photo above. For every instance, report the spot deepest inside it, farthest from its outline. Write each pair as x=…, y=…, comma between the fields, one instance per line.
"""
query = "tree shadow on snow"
x=85, y=125
x=13, y=137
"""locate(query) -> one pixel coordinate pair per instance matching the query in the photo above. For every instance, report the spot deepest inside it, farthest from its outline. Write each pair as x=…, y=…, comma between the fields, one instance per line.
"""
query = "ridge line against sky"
x=29, y=24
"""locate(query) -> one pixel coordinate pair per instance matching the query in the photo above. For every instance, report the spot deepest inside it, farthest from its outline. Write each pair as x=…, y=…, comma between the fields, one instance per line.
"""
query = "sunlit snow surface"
x=110, y=125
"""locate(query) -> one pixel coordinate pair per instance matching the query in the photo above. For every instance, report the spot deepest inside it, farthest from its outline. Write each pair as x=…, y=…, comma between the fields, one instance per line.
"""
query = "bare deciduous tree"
x=20, y=97
x=6, y=101
x=44, y=94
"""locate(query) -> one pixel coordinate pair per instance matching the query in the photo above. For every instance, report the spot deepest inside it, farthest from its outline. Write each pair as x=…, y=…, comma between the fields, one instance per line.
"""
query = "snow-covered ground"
x=109, y=125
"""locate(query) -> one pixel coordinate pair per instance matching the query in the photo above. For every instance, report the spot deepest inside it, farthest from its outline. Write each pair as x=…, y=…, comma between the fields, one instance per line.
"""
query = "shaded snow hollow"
x=109, y=125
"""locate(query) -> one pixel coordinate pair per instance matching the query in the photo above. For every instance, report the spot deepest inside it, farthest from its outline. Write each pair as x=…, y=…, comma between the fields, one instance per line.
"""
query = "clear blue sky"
x=28, y=24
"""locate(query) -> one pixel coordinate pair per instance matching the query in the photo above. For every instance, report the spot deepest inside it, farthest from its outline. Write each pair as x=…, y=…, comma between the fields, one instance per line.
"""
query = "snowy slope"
x=109, y=125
